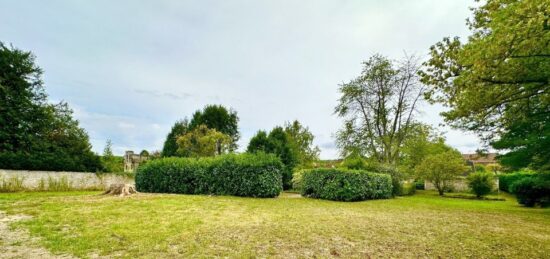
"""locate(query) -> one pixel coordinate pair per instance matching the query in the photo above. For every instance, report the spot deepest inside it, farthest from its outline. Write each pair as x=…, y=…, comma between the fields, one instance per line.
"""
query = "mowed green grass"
x=168, y=226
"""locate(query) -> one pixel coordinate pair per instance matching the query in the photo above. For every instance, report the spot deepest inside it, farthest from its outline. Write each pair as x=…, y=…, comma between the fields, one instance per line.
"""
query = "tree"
x=441, y=169
x=497, y=82
x=279, y=143
x=219, y=118
x=203, y=141
x=378, y=108
x=258, y=142
x=37, y=135
x=423, y=140
x=110, y=162
x=170, y=147
x=302, y=143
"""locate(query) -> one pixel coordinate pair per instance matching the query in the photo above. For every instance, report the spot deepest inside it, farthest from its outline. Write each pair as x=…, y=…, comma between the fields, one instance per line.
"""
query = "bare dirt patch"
x=17, y=243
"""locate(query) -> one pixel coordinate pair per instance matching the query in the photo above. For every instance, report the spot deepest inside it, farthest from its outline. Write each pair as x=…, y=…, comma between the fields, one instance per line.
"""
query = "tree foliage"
x=202, y=142
x=278, y=142
x=170, y=147
x=35, y=134
x=378, y=108
x=302, y=142
x=219, y=118
x=111, y=163
x=441, y=169
x=497, y=82
x=423, y=140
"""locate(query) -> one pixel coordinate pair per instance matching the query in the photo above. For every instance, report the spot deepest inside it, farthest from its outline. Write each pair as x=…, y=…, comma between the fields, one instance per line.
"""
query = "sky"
x=130, y=69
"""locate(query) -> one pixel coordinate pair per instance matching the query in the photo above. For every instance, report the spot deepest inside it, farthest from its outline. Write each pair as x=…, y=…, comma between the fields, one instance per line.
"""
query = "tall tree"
x=278, y=142
x=219, y=118
x=35, y=134
x=302, y=142
x=496, y=83
x=170, y=147
x=378, y=108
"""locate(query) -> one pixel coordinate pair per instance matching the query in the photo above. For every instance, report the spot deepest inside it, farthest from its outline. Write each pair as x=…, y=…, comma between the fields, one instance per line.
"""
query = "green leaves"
x=253, y=175
x=345, y=185
x=497, y=82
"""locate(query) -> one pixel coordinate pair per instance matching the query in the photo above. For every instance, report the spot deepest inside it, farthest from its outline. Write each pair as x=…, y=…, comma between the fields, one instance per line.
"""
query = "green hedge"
x=252, y=175
x=345, y=185
x=533, y=190
x=505, y=181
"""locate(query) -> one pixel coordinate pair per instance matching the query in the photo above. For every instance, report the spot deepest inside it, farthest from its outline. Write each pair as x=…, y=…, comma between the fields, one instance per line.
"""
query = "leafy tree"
x=202, y=141
x=379, y=108
x=258, y=142
x=144, y=153
x=441, y=169
x=422, y=141
x=497, y=82
x=170, y=147
x=219, y=118
x=111, y=163
x=37, y=135
x=279, y=143
x=302, y=143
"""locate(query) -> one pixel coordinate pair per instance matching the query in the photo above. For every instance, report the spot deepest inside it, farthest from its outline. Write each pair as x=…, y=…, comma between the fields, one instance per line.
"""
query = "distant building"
x=132, y=161
x=480, y=159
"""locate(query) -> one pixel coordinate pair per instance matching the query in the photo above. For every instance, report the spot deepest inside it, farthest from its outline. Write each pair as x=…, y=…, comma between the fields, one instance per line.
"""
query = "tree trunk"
x=120, y=190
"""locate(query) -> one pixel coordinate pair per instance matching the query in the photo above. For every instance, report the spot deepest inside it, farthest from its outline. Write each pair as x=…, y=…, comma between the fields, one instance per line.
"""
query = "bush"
x=359, y=163
x=481, y=183
x=345, y=185
x=505, y=181
x=253, y=175
x=408, y=189
x=533, y=190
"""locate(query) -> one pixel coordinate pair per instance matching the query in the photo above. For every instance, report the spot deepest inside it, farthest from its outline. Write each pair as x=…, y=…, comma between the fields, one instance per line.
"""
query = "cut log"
x=120, y=189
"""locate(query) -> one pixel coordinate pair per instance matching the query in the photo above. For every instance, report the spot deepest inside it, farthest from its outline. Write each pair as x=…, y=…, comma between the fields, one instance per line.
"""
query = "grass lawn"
x=167, y=226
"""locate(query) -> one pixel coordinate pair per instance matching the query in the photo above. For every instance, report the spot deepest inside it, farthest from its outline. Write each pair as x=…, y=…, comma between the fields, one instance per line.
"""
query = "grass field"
x=167, y=226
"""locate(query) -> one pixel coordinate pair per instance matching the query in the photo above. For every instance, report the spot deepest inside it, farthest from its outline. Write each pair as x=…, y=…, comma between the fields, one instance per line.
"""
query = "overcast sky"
x=130, y=69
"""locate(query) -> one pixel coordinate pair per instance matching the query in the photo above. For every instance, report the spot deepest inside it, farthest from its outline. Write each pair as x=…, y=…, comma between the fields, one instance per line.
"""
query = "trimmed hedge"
x=505, y=181
x=533, y=190
x=252, y=175
x=346, y=185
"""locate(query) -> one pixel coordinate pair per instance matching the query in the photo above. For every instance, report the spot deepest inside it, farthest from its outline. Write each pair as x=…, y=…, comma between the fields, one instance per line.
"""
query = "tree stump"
x=120, y=189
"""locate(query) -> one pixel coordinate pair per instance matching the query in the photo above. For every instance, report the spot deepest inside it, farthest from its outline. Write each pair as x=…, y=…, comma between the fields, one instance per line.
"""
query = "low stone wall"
x=459, y=185
x=14, y=180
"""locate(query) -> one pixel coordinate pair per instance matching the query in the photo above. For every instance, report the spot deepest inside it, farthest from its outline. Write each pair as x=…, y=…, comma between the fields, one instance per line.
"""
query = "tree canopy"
x=496, y=83
x=37, y=135
x=170, y=147
x=219, y=118
x=202, y=141
x=378, y=107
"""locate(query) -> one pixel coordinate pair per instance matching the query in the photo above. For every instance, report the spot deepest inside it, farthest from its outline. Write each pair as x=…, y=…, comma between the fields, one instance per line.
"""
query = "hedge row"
x=252, y=175
x=505, y=181
x=345, y=185
x=533, y=190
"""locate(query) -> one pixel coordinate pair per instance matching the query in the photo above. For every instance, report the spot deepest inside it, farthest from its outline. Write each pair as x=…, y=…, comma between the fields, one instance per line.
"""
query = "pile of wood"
x=120, y=189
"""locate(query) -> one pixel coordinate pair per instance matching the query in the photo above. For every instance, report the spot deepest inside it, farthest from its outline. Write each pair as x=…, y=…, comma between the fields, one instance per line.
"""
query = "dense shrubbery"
x=345, y=185
x=532, y=190
x=355, y=162
x=506, y=180
x=254, y=175
x=481, y=183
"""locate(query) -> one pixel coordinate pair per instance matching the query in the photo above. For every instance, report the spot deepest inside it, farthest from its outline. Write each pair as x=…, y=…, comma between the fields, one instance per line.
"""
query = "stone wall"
x=47, y=180
x=459, y=185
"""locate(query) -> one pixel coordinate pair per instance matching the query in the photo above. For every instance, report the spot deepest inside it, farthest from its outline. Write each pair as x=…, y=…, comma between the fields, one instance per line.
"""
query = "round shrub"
x=345, y=185
x=533, y=190
x=481, y=183
x=252, y=175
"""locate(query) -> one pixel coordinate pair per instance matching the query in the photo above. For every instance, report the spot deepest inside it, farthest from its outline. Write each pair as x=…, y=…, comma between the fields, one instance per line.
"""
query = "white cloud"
x=145, y=63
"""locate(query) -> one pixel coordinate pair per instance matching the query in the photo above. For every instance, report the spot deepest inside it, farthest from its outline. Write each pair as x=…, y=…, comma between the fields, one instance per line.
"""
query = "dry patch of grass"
x=155, y=225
